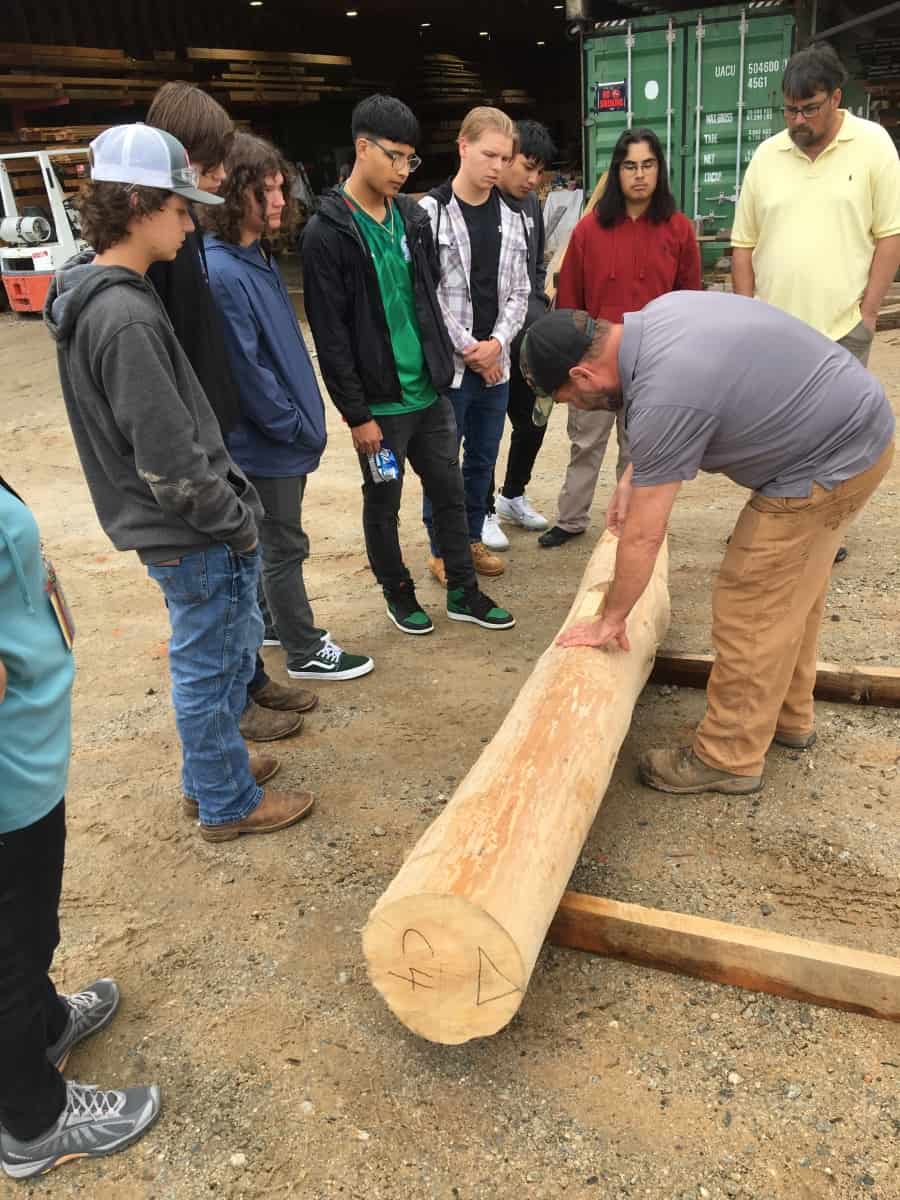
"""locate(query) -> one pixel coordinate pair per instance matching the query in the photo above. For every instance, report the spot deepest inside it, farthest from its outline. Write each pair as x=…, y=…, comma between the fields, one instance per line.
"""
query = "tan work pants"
x=588, y=433
x=767, y=609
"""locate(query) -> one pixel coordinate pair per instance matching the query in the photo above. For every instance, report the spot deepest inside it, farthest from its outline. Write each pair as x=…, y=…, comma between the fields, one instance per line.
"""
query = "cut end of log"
x=446, y=968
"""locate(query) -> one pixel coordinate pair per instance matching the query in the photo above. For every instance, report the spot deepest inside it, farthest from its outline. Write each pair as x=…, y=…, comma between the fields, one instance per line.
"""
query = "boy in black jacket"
x=370, y=271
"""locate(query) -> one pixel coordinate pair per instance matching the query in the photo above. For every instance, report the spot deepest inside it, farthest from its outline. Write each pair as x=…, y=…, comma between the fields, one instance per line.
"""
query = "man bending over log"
x=724, y=384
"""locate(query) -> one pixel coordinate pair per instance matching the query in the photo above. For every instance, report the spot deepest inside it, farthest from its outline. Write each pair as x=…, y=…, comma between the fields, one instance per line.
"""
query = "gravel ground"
x=245, y=994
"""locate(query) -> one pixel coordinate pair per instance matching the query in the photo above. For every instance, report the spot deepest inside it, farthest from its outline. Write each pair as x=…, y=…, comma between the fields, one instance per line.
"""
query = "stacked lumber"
x=59, y=73
x=510, y=97
x=445, y=79
x=25, y=173
x=277, y=76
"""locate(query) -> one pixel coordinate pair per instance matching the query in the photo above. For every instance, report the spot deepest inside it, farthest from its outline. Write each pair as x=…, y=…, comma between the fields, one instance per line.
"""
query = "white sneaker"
x=492, y=535
x=520, y=512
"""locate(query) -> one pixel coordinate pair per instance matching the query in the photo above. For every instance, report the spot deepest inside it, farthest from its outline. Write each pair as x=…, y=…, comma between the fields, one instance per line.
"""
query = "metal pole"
x=740, y=107
x=670, y=38
x=629, y=42
x=700, y=34
x=869, y=16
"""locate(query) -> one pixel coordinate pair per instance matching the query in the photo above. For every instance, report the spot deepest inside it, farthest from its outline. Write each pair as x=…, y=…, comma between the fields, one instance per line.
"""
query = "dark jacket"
x=282, y=428
x=162, y=482
x=346, y=315
x=532, y=218
x=183, y=287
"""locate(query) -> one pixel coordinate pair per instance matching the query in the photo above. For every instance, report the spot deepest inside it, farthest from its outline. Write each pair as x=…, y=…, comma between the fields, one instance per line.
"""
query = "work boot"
x=92, y=1124
x=436, y=567
x=484, y=562
x=795, y=741
x=679, y=770
x=267, y=724
x=276, y=810
x=262, y=768
x=89, y=1012
x=283, y=698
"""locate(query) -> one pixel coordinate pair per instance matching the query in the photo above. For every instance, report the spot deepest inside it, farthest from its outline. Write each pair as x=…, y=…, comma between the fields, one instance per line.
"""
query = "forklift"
x=39, y=240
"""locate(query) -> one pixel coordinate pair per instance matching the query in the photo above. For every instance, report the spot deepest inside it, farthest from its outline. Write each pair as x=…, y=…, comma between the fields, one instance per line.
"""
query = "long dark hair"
x=250, y=160
x=610, y=207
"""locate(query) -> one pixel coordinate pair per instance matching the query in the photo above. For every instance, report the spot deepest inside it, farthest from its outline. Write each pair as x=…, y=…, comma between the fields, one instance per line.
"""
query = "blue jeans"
x=480, y=412
x=216, y=631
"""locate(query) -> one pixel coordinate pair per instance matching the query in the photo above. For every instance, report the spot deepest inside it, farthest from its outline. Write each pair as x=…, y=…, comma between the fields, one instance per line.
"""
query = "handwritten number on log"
x=413, y=981
x=416, y=975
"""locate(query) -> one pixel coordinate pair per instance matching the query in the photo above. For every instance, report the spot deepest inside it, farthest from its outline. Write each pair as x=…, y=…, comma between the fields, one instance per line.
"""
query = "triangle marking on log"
x=491, y=980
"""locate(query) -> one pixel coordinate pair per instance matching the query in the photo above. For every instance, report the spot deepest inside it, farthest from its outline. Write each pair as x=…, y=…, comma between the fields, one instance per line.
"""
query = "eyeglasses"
x=411, y=161
x=803, y=110
x=649, y=164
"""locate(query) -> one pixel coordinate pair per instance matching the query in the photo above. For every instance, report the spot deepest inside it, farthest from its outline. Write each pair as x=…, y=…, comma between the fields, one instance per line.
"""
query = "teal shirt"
x=36, y=715
x=393, y=266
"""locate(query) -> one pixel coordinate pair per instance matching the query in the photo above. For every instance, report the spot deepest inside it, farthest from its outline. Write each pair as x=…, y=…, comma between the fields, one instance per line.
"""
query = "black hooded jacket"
x=346, y=315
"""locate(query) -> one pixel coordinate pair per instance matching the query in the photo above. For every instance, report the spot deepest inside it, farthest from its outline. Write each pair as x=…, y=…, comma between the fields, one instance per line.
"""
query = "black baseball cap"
x=552, y=346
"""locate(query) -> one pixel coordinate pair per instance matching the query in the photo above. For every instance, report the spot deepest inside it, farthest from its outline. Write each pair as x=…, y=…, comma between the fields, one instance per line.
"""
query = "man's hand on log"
x=602, y=631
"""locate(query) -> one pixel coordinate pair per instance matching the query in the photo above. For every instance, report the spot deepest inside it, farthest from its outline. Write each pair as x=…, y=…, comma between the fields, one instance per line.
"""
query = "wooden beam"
x=206, y=54
x=879, y=686
x=799, y=969
x=452, y=943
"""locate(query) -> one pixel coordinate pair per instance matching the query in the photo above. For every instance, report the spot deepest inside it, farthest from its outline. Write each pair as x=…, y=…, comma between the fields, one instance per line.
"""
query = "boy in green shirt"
x=370, y=272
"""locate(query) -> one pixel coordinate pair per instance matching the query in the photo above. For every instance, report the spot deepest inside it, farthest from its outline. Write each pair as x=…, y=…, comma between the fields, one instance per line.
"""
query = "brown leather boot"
x=436, y=567
x=276, y=810
x=485, y=562
x=262, y=768
x=267, y=724
x=283, y=698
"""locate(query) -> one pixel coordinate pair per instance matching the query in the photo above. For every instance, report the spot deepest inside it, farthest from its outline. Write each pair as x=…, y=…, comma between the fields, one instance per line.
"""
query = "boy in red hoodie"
x=633, y=247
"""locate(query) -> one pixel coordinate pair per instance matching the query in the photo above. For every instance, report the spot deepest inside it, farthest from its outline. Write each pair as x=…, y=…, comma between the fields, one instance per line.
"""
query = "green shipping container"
x=707, y=82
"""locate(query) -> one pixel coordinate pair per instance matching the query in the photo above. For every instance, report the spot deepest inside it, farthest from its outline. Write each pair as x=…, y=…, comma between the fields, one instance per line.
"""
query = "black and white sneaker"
x=89, y=1012
x=92, y=1124
x=331, y=662
x=471, y=604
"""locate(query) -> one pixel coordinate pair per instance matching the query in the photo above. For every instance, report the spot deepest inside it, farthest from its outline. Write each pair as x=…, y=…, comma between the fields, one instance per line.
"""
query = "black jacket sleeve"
x=329, y=310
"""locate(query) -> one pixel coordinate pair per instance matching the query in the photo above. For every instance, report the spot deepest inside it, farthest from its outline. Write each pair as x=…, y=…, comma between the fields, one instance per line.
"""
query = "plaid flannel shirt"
x=513, y=284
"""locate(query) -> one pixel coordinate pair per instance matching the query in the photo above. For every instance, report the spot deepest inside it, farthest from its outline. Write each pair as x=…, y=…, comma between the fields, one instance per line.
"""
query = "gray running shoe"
x=92, y=1124
x=89, y=1012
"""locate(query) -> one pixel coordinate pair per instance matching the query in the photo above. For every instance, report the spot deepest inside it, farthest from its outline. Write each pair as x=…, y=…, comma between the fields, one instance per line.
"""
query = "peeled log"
x=453, y=941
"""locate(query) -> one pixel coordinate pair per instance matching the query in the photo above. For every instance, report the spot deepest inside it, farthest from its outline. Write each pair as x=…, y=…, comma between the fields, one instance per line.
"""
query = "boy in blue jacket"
x=280, y=436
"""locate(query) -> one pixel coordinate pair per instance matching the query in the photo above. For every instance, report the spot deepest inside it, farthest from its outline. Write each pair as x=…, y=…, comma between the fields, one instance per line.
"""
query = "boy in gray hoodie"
x=161, y=480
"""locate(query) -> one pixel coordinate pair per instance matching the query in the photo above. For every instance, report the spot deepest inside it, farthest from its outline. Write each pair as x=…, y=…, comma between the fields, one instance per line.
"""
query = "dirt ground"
x=245, y=993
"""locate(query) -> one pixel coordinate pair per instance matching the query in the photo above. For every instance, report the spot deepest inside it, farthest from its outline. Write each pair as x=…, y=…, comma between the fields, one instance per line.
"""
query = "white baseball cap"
x=148, y=157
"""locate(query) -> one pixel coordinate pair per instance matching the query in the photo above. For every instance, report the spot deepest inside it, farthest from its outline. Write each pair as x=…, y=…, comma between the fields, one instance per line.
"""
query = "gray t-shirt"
x=719, y=383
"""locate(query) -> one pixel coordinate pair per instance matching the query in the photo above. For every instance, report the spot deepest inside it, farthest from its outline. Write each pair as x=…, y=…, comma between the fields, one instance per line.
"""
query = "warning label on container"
x=611, y=97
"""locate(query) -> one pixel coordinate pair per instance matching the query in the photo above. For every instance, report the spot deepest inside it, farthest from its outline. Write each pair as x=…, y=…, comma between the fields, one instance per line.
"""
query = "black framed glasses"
x=804, y=110
x=632, y=167
x=411, y=161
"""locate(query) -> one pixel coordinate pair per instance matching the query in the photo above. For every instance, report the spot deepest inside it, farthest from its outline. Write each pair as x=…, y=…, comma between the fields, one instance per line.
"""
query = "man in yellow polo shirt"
x=817, y=226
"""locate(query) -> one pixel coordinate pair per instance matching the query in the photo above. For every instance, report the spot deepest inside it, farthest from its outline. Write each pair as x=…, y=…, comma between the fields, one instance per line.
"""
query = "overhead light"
x=256, y=3
x=483, y=33
x=351, y=12
x=542, y=43
x=425, y=25
x=559, y=7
